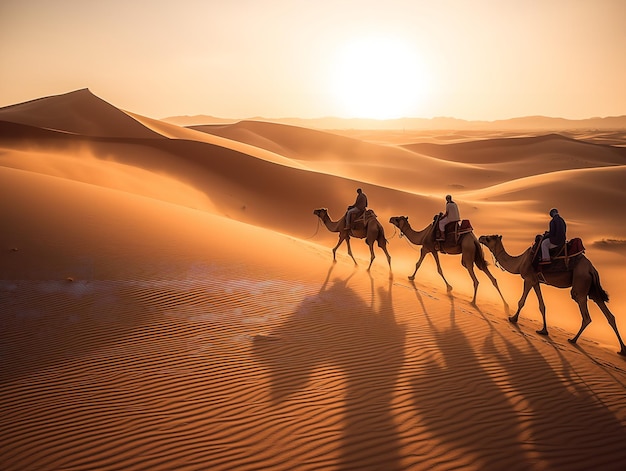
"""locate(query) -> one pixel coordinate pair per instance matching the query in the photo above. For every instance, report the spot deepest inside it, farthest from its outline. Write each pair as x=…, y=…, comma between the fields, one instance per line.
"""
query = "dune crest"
x=79, y=112
x=170, y=301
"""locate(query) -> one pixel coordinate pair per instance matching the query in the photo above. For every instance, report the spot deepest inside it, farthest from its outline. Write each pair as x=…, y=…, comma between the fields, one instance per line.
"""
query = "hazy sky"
x=471, y=59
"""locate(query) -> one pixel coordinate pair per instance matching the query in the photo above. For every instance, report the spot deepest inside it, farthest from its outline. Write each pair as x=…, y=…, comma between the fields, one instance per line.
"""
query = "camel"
x=581, y=276
x=467, y=245
x=372, y=232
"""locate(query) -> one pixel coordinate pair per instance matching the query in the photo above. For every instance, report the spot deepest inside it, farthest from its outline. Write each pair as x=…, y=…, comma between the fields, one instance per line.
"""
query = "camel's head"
x=490, y=241
x=320, y=212
x=399, y=221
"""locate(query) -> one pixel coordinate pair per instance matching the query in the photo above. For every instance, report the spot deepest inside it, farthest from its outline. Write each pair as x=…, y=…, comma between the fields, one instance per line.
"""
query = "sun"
x=378, y=77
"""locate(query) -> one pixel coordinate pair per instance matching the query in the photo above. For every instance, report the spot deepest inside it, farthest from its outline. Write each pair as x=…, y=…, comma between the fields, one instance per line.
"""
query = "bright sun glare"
x=378, y=77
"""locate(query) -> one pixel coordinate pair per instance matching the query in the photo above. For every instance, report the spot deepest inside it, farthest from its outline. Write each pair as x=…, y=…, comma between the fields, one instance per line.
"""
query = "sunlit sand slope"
x=169, y=301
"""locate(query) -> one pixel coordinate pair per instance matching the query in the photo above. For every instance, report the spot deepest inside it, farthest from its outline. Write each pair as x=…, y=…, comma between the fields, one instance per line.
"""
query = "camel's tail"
x=596, y=292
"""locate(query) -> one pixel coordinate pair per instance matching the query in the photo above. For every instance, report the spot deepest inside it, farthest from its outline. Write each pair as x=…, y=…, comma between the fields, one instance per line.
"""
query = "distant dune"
x=169, y=300
x=527, y=123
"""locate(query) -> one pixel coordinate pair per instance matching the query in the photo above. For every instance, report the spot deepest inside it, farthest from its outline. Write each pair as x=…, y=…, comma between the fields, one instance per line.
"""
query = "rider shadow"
x=532, y=415
x=336, y=330
x=474, y=418
x=570, y=425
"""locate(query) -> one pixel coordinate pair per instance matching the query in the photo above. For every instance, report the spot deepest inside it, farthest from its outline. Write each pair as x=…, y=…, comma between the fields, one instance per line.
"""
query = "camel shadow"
x=569, y=423
x=473, y=404
x=507, y=407
x=340, y=334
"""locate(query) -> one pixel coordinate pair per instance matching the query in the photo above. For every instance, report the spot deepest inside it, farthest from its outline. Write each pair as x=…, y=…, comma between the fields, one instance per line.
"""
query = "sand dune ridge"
x=169, y=300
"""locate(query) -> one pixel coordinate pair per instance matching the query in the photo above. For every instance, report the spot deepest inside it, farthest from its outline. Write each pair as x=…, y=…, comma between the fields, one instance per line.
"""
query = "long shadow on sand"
x=337, y=329
x=507, y=408
x=569, y=426
x=461, y=405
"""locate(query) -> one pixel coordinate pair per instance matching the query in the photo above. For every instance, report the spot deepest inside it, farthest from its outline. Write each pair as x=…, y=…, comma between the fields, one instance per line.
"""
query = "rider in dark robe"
x=555, y=237
x=356, y=209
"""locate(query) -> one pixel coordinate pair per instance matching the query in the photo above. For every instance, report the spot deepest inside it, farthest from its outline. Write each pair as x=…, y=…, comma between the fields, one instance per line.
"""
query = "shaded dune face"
x=252, y=168
x=169, y=298
x=272, y=175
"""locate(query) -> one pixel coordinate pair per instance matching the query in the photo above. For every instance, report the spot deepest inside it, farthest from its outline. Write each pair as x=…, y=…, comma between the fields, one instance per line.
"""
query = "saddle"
x=560, y=256
x=360, y=223
x=452, y=232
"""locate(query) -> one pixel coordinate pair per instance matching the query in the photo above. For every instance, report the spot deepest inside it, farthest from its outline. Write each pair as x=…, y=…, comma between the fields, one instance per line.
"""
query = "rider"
x=555, y=237
x=451, y=215
x=357, y=208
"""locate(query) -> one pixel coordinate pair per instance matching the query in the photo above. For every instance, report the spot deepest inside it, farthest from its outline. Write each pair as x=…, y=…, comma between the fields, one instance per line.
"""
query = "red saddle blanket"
x=465, y=226
x=574, y=247
x=460, y=227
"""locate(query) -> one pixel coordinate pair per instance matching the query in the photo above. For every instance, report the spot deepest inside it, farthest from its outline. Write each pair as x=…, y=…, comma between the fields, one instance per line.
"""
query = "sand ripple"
x=352, y=373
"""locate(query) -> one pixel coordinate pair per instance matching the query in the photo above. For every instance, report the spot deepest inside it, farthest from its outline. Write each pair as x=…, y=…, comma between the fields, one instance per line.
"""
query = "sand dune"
x=328, y=152
x=169, y=299
x=79, y=112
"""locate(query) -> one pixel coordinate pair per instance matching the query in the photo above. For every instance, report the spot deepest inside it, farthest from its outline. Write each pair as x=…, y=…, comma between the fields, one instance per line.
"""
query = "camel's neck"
x=416, y=237
x=332, y=226
x=511, y=263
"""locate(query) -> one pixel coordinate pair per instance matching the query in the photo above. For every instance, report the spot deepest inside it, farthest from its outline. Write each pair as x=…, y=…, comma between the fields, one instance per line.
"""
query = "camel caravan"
x=359, y=222
x=365, y=227
x=573, y=271
x=551, y=260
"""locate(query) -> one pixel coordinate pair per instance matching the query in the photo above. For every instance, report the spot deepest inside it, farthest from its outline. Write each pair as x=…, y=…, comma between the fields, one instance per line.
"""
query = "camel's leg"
x=467, y=260
x=495, y=283
x=384, y=247
x=424, y=251
x=542, y=308
x=584, y=312
x=470, y=270
x=341, y=239
x=372, y=255
x=611, y=318
x=350, y=250
x=440, y=271
x=520, y=304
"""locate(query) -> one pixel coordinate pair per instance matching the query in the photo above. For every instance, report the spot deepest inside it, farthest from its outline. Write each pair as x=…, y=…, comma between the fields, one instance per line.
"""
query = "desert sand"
x=169, y=301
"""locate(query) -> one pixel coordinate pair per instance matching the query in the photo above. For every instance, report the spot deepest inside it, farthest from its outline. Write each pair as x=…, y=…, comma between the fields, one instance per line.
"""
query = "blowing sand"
x=169, y=301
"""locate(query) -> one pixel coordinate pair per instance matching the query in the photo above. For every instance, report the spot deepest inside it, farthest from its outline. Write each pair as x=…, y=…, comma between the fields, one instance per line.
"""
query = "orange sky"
x=298, y=58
